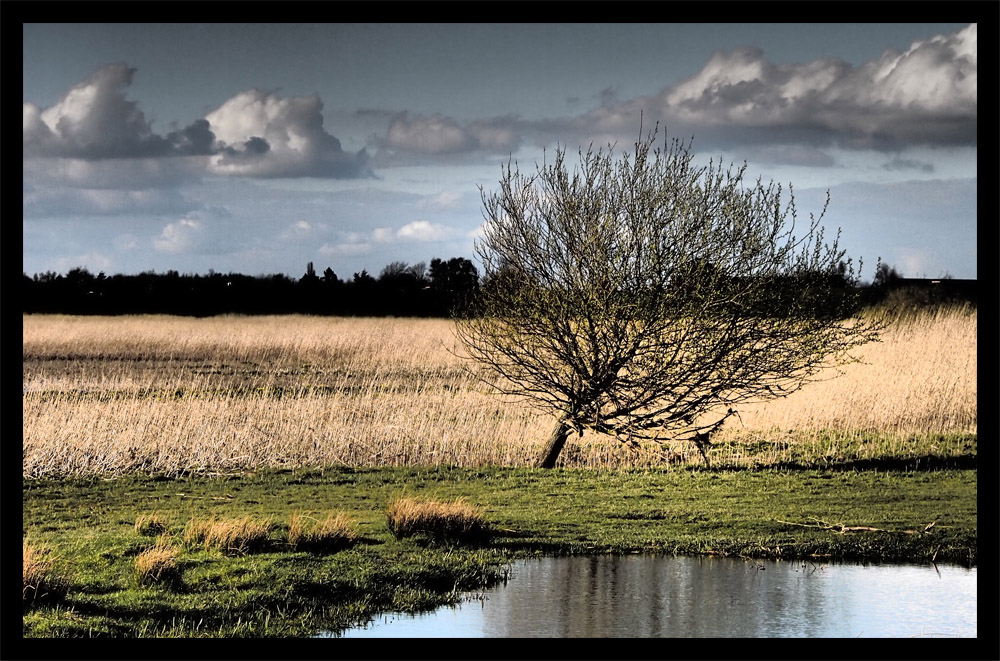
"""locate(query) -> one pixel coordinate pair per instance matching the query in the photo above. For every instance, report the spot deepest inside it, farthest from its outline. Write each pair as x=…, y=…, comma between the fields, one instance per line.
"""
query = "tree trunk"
x=555, y=445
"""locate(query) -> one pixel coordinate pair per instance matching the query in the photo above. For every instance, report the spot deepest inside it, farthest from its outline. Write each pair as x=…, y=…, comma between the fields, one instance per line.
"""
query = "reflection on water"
x=650, y=596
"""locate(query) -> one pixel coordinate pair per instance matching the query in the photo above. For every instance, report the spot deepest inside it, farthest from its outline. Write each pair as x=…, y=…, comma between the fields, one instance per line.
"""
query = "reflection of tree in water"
x=641, y=596
x=667, y=597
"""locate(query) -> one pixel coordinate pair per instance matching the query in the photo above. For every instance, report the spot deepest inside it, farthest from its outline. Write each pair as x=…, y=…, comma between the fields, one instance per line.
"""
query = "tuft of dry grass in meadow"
x=42, y=580
x=158, y=563
x=335, y=532
x=150, y=525
x=238, y=536
x=177, y=396
x=454, y=520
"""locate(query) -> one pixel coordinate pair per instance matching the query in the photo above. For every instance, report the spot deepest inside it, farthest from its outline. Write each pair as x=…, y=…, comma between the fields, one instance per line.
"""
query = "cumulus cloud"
x=925, y=95
x=422, y=230
x=264, y=135
x=181, y=236
x=418, y=230
x=93, y=120
x=360, y=243
x=299, y=230
x=255, y=133
x=200, y=232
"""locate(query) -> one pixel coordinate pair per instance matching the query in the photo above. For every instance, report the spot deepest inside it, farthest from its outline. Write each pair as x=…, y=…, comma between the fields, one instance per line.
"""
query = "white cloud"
x=255, y=133
x=92, y=120
x=299, y=230
x=422, y=230
x=269, y=136
x=418, y=230
x=926, y=95
x=937, y=75
x=181, y=236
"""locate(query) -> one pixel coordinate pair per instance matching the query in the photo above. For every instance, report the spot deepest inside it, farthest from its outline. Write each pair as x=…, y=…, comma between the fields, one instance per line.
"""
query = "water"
x=655, y=596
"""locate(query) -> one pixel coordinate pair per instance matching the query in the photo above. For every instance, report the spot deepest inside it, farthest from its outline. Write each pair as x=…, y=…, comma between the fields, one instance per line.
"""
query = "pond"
x=657, y=596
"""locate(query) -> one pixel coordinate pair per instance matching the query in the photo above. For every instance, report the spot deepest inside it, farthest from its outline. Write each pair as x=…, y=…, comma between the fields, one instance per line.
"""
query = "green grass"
x=275, y=590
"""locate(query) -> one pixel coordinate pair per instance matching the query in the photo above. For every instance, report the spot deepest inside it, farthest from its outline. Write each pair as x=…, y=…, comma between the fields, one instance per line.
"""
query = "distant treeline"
x=401, y=289
x=910, y=293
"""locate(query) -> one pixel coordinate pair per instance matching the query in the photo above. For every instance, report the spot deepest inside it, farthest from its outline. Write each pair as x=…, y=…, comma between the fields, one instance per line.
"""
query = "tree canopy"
x=647, y=297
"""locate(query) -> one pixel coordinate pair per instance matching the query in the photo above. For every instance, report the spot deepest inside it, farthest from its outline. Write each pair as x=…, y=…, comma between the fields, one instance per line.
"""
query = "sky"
x=258, y=148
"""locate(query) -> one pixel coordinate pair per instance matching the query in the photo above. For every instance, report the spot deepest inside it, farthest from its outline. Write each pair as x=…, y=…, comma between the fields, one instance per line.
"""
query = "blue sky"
x=258, y=148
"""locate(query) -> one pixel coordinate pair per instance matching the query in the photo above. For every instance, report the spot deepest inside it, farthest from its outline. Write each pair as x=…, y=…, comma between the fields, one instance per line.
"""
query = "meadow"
x=175, y=396
x=278, y=476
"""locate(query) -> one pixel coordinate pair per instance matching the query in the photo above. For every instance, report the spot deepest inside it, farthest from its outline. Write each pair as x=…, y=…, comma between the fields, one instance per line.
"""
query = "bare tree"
x=646, y=297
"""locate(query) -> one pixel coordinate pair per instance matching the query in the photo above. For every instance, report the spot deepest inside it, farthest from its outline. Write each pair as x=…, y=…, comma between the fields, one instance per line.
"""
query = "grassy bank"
x=274, y=589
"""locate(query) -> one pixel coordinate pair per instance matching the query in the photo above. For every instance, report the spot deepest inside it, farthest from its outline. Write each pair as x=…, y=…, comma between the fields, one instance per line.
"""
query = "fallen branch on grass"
x=841, y=529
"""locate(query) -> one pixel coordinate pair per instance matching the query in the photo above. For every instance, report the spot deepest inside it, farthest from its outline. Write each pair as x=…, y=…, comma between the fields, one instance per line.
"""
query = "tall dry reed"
x=175, y=396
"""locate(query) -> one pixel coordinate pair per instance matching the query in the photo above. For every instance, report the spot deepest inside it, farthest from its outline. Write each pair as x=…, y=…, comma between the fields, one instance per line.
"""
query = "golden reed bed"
x=174, y=395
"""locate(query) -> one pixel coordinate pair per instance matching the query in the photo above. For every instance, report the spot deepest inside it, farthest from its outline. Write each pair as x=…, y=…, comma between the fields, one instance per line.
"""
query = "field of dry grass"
x=174, y=396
